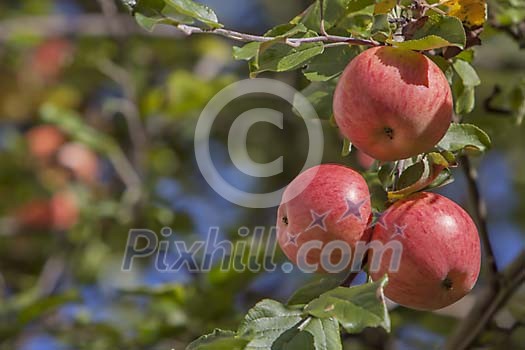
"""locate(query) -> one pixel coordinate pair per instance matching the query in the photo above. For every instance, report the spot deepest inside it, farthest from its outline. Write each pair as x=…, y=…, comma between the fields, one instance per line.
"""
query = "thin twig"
x=50, y=276
x=128, y=172
x=231, y=34
x=487, y=103
x=488, y=305
x=110, y=11
x=322, y=24
x=128, y=107
x=480, y=215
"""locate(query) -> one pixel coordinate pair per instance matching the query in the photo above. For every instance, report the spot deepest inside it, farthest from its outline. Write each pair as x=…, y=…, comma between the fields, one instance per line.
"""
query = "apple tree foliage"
x=320, y=42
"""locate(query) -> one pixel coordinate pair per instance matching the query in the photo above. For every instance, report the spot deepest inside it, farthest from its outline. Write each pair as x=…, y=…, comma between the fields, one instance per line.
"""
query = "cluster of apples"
x=58, y=162
x=392, y=104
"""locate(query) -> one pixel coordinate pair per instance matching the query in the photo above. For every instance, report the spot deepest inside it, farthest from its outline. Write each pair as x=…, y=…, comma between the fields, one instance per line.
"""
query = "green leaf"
x=411, y=174
x=312, y=290
x=265, y=322
x=355, y=308
x=334, y=11
x=294, y=339
x=280, y=57
x=149, y=13
x=218, y=340
x=72, y=124
x=41, y=306
x=286, y=30
x=325, y=332
x=280, y=33
x=384, y=6
x=347, y=147
x=517, y=101
x=419, y=176
x=444, y=178
x=464, y=97
x=466, y=55
x=465, y=137
x=438, y=31
x=427, y=43
x=381, y=28
x=195, y=10
x=312, y=333
x=148, y=23
x=358, y=24
x=247, y=52
x=445, y=67
x=466, y=72
x=386, y=174
x=331, y=63
x=320, y=95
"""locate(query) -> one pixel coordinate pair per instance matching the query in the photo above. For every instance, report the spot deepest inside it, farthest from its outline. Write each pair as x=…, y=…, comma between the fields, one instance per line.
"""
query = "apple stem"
x=447, y=283
x=322, y=28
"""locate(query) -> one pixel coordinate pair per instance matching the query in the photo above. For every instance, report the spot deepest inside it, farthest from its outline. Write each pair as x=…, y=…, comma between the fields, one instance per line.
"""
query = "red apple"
x=325, y=203
x=43, y=141
x=440, y=258
x=364, y=160
x=50, y=57
x=393, y=103
x=82, y=161
x=34, y=215
x=64, y=210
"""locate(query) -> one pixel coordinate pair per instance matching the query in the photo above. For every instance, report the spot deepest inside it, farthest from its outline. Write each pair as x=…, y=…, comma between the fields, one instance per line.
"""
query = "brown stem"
x=322, y=28
x=231, y=34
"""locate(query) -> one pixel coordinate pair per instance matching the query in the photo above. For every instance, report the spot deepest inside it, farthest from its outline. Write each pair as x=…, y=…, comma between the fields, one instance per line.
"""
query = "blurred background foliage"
x=96, y=138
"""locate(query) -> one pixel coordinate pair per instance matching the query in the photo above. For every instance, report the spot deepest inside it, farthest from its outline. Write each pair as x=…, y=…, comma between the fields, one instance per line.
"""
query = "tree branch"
x=480, y=216
x=231, y=34
x=487, y=103
x=110, y=11
x=493, y=299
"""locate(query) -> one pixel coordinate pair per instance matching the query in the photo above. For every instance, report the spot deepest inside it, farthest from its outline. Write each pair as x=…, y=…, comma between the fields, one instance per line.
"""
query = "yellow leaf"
x=472, y=13
x=384, y=6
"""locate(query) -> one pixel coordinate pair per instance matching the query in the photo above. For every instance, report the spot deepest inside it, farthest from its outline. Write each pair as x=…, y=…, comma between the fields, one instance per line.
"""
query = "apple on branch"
x=392, y=103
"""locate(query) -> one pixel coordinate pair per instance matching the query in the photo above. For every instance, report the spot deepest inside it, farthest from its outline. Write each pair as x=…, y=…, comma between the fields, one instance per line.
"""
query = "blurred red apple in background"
x=80, y=160
x=64, y=210
x=364, y=160
x=50, y=57
x=36, y=214
x=44, y=141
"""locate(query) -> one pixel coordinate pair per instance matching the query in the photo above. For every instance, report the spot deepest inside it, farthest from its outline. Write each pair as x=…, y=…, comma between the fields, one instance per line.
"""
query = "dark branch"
x=487, y=103
x=480, y=216
x=488, y=305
